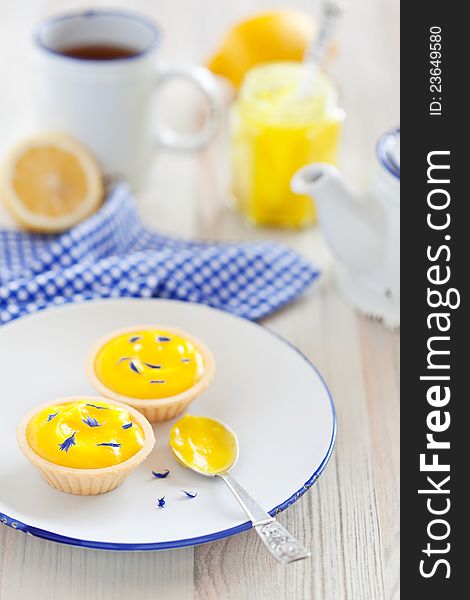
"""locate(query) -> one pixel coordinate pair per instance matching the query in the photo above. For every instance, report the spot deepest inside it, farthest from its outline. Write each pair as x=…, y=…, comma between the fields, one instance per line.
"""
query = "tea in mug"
x=98, y=51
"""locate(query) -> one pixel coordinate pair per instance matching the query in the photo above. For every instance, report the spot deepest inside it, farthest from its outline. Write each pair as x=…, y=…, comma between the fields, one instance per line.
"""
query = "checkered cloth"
x=112, y=254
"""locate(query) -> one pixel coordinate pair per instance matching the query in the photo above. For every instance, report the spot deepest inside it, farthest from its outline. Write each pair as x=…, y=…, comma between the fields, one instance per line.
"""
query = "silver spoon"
x=331, y=11
x=282, y=545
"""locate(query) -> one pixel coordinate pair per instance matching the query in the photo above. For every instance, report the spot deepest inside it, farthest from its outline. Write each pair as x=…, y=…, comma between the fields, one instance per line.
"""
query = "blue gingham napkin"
x=112, y=254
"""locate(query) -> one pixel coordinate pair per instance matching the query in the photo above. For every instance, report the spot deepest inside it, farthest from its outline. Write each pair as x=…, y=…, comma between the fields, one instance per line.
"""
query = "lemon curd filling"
x=203, y=444
x=275, y=130
x=84, y=436
x=149, y=364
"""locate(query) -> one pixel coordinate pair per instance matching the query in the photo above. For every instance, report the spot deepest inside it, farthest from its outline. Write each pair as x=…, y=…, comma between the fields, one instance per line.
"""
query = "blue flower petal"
x=161, y=475
x=133, y=366
x=127, y=426
x=161, y=502
x=110, y=444
x=189, y=494
x=91, y=422
x=70, y=441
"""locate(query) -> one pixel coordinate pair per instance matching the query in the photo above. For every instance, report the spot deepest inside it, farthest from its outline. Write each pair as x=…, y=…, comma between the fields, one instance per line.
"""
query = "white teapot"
x=363, y=232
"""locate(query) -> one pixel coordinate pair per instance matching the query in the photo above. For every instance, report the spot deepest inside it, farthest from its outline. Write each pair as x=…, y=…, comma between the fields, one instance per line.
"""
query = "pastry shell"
x=155, y=409
x=85, y=482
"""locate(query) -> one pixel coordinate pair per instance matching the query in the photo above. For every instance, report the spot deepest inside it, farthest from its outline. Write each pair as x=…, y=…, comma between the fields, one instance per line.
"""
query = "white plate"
x=264, y=388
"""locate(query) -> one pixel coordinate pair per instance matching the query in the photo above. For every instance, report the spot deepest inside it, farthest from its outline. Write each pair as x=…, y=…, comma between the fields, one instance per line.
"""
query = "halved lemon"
x=50, y=182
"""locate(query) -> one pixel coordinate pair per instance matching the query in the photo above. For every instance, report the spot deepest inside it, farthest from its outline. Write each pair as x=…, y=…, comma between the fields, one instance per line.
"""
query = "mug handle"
x=205, y=83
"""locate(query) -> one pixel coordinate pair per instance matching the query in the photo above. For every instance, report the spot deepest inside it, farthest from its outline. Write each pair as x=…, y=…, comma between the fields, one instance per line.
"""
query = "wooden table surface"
x=350, y=518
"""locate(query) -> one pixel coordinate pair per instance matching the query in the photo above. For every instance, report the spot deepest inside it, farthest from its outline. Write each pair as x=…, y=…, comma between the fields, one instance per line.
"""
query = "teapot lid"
x=388, y=152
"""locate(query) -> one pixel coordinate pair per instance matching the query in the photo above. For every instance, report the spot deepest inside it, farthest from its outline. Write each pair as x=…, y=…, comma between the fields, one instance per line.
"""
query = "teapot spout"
x=353, y=227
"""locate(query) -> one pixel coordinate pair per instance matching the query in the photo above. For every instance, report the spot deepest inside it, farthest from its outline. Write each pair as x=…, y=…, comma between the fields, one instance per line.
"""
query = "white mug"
x=106, y=104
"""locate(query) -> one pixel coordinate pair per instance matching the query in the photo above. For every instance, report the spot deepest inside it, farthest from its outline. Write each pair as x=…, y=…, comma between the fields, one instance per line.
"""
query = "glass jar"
x=275, y=130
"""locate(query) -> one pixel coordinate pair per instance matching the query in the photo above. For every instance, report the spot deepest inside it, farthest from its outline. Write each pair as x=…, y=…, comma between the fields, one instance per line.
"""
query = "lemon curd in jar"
x=275, y=130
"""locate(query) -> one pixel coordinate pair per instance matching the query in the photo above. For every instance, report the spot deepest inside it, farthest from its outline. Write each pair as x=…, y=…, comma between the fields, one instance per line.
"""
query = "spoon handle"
x=282, y=545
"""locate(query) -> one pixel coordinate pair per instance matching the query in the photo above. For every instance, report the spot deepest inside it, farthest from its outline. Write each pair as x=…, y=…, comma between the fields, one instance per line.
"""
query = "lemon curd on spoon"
x=157, y=370
x=203, y=444
x=209, y=447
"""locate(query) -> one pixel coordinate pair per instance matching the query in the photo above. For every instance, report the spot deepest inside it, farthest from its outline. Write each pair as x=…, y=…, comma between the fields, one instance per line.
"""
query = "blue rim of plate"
x=212, y=537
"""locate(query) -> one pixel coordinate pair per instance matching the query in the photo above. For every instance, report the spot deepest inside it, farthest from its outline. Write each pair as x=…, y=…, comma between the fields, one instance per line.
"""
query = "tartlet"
x=158, y=370
x=51, y=428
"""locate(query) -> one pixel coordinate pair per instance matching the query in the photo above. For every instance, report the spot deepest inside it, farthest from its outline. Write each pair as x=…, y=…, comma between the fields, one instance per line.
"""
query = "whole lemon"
x=271, y=36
